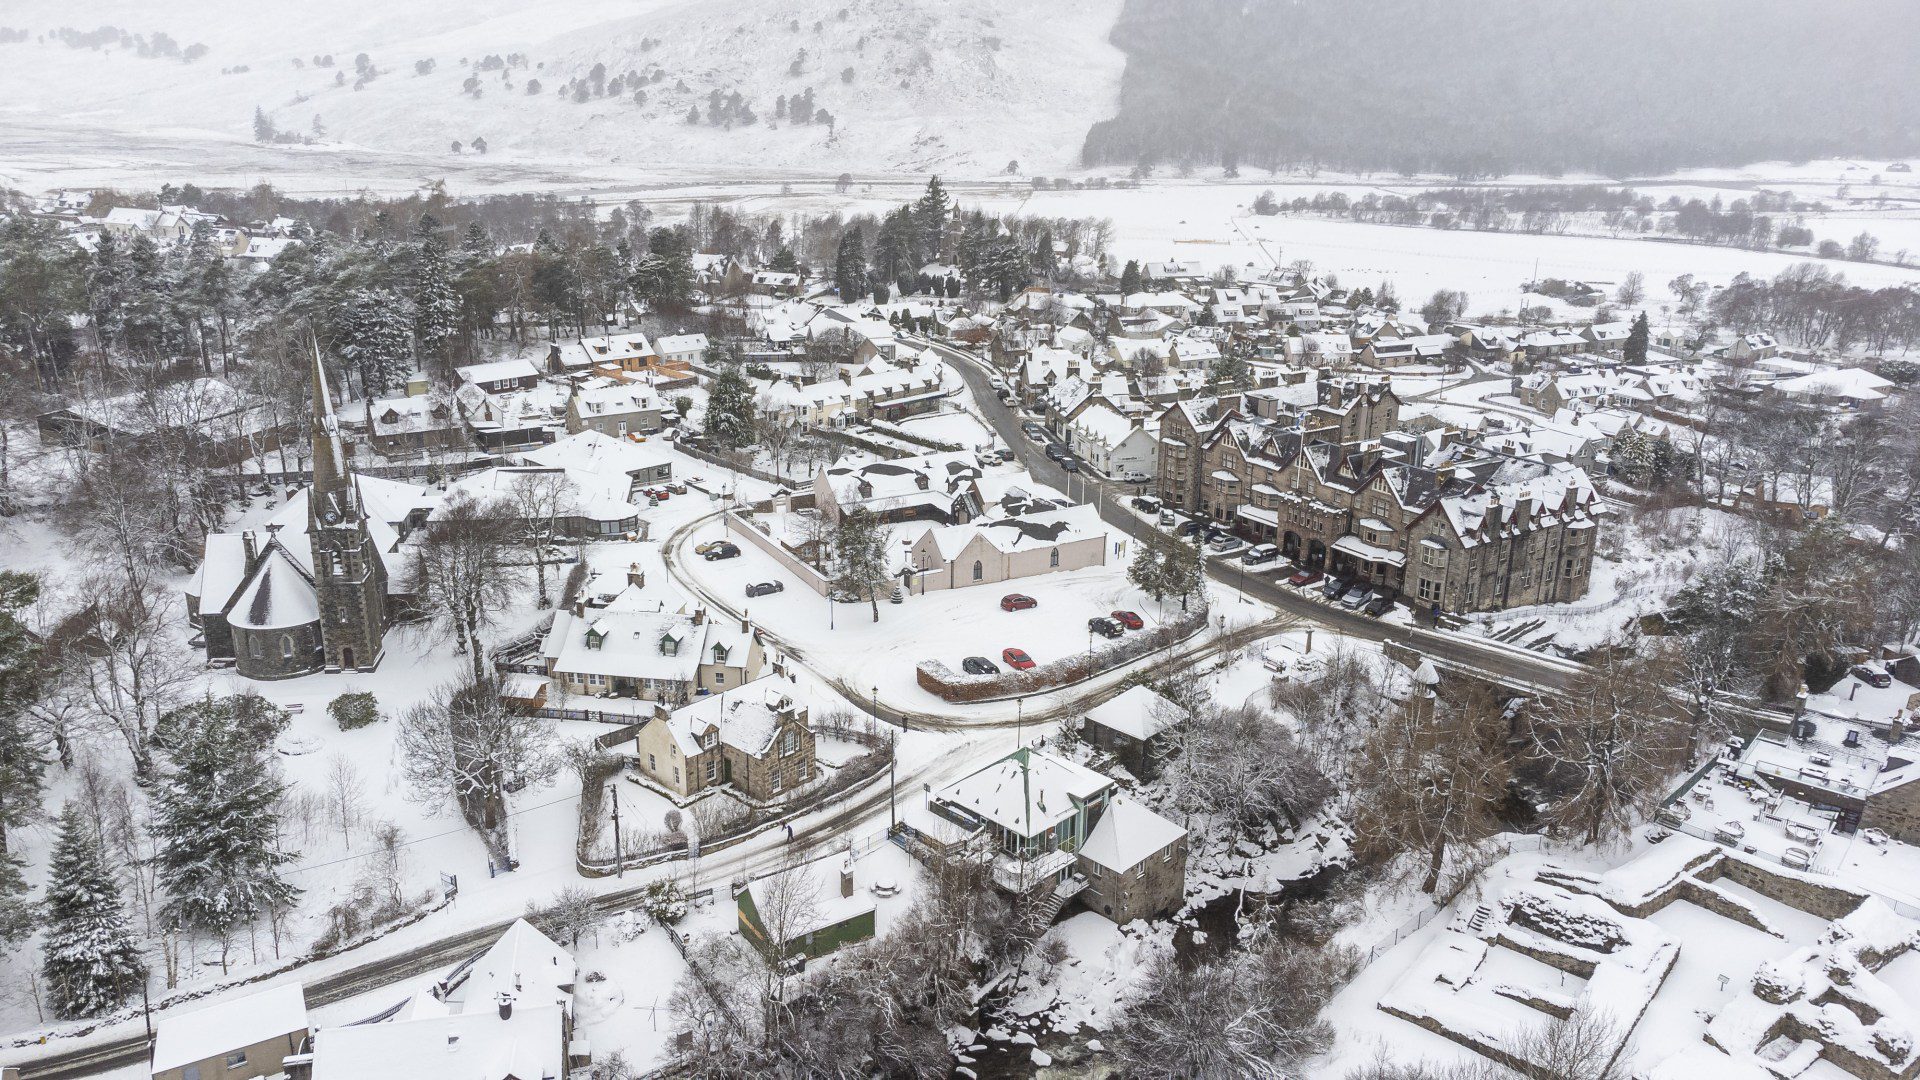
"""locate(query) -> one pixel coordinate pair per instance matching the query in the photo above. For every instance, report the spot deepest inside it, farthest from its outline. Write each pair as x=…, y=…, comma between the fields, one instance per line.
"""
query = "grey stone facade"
x=1156, y=887
x=276, y=654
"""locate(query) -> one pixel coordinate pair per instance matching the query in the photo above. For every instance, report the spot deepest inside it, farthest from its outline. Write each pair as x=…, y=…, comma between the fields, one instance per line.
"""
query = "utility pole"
x=619, y=860
x=893, y=815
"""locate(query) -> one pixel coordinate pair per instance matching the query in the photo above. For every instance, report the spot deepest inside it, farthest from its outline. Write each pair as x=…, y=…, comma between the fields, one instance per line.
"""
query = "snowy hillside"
x=910, y=85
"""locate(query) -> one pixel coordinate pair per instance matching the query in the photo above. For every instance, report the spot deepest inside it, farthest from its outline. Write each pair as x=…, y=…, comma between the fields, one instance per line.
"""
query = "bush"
x=354, y=709
x=664, y=903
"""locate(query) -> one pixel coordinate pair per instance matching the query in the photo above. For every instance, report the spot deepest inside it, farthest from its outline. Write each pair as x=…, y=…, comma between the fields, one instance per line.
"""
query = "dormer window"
x=595, y=639
x=719, y=654
x=669, y=645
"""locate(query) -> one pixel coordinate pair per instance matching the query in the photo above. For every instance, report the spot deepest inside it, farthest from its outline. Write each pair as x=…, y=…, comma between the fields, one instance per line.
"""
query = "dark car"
x=1017, y=602
x=1872, y=676
x=1017, y=659
x=1104, y=626
x=1146, y=504
x=1070, y=464
x=1379, y=605
x=1034, y=431
x=1304, y=577
x=1128, y=619
x=765, y=588
x=1190, y=527
x=1056, y=452
x=1334, y=588
x=722, y=550
x=979, y=665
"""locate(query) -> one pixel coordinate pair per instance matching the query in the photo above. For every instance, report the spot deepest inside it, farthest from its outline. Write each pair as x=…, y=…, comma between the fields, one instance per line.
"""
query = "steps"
x=1482, y=915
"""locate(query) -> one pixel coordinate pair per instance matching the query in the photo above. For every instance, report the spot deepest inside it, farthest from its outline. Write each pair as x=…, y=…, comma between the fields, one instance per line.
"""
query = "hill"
x=888, y=85
x=1487, y=87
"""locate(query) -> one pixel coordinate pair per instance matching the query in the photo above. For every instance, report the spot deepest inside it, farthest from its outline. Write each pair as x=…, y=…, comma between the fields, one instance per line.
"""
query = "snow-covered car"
x=1874, y=837
x=1260, y=553
x=979, y=665
x=1357, y=597
x=1017, y=659
x=1872, y=676
x=722, y=550
x=1104, y=626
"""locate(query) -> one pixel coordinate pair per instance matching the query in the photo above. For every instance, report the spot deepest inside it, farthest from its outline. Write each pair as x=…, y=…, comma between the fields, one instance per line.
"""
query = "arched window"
x=979, y=570
x=286, y=646
x=253, y=646
x=1053, y=558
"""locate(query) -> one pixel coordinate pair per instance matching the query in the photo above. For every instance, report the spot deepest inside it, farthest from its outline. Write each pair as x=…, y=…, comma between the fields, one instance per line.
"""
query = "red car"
x=1017, y=602
x=1017, y=659
x=1128, y=619
x=1305, y=577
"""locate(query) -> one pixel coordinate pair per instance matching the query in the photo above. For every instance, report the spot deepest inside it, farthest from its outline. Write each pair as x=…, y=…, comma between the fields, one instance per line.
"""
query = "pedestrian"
x=789, y=832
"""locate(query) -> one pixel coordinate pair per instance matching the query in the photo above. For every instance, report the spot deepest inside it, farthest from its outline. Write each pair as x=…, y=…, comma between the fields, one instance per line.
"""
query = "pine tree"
x=729, y=419
x=850, y=266
x=217, y=821
x=88, y=957
x=263, y=130
x=436, y=305
x=378, y=337
x=22, y=770
x=1637, y=340
x=1130, y=278
x=930, y=214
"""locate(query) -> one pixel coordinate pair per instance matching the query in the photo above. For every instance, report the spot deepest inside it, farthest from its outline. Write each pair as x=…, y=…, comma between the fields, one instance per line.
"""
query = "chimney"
x=745, y=626
x=699, y=616
x=505, y=1000
x=636, y=576
x=846, y=877
x=1897, y=730
x=251, y=544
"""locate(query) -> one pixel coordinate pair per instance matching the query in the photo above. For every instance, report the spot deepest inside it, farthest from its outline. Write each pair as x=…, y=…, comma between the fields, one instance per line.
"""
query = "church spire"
x=331, y=499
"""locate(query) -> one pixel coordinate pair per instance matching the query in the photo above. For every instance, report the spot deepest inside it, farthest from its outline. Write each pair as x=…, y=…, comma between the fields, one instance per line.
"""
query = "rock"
x=1041, y=1057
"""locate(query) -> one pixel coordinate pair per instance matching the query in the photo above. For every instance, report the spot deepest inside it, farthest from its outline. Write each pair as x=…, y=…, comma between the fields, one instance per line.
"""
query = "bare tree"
x=130, y=661
x=1244, y=766
x=345, y=792
x=463, y=743
x=538, y=498
x=462, y=579
x=1612, y=742
x=571, y=914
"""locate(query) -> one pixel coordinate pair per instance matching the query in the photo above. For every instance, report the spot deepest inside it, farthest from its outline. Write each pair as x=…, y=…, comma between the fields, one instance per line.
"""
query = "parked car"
x=1146, y=504
x=1379, y=605
x=1070, y=464
x=1797, y=857
x=1260, y=553
x=1128, y=619
x=1133, y=476
x=1334, y=588
x=702, y=549
x=1167, y=518
x=1104, y=626
x=1357, y=597
x=1017, y=659
x=1017, y=602
x=765, y=588
x=1872, y=676
x=1056, y=452
x=979, y=665
x=1304, y=577
x=1190, y=527
x=1223, y=543
x=722, y=550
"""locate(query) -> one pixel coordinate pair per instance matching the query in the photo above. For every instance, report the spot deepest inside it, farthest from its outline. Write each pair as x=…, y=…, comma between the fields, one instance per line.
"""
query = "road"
x=1515, y=668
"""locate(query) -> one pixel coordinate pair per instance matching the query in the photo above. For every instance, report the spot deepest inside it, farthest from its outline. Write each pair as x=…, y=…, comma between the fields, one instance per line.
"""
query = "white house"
x=1112, y=443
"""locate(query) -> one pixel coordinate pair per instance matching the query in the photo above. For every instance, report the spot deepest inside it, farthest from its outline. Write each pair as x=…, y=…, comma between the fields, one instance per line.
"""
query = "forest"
x=1476, y=88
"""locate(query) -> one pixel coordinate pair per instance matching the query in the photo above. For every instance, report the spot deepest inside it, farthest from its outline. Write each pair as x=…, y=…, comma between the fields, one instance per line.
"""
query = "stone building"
x=753, y=737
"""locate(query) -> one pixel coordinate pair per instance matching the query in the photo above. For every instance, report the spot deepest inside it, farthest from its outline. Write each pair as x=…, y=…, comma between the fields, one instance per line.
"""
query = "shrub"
x=354, y=709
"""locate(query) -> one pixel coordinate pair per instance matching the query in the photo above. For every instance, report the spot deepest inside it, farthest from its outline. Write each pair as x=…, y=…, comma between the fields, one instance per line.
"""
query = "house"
x=1608, y=338
x=583, y=505
x=753, y=736
x=510, y=1019
x=613, y=408
x=1133, y=727
x=1549, y=393
x=1756, y=346
x=807, y=910
x=991, y=551
x=929, y=487
x=1840, y=388
x=1044, y=822
x=1384, y=351
x=1541, y=345
x=506, y=421
x=632, y=647
x=411, y=425
x=223, y=423
x=610, y=458
x=1115, y=445
x=234, y=1039
x=683, y=350
x=501, y=376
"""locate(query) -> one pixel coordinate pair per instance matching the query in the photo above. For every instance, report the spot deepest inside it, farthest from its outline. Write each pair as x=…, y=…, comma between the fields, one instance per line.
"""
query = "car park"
x=1017, y=602
x=979, y=665
x=765, y=588
x=1260, y=553
x=1304, y=577
x=1128, y=619
x=723, y=550
x=1872, y=676
x=1357, y=597
x=1104, y=626
x=1017, y=659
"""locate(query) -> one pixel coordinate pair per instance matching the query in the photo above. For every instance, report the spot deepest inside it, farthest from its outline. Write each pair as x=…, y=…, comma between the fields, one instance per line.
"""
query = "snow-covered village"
x=895, y=538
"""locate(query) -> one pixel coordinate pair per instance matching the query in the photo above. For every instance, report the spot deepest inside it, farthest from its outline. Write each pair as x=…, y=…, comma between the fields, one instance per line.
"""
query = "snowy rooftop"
x=228, y=1025
x=1026, y=792
x=1138, y=711
x=475, y=1045
x=1127, y=834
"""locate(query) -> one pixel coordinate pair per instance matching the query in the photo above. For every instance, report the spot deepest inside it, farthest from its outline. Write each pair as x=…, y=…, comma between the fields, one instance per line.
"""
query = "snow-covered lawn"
x=953, y=426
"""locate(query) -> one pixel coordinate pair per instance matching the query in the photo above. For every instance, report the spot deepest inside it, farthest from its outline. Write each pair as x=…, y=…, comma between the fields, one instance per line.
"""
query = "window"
x=652, y=765
x=236, y=1059
x=713, y=770
x=190, y=1072
x=286, y=646
x=774, y=781
x=789, y=743
x=676, y=774
x=719, y=678
x=1053, y=558
x=1429, y=590
x=596, y=679
x=253, y=647
x=707, y=740
x=1431, y=555
x=979, y=570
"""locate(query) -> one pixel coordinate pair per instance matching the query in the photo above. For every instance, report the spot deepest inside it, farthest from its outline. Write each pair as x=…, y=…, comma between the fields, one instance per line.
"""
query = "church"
x=318, y=586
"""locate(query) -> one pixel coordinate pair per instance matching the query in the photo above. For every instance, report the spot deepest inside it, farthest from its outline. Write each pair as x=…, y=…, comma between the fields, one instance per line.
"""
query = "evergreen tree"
x=664, y=277
x=262, y=126
x=217, y=821
x=783, y=262
x=850, y=266
x=1637, y=339
x=436, y=304
x=1130, y=282
x=930, y=214
x=1044, y=259
x=729, y=419
x=22, y=769
x=377, y=336
x=89, y=957
x=476, y=244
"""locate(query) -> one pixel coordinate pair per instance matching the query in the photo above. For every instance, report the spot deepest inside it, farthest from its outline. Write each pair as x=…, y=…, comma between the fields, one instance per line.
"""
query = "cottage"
x=613, y=408
x=1133, y=728
x=754, y=737
x=501, y=376
x=991, y=551
x=233, y=1039
x=808, y=910
x=632, y=647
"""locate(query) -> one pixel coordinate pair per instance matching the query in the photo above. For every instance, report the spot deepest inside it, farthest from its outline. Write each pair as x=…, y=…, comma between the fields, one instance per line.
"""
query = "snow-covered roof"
x=524, y=963
x=228, y=1025
x=1138, y=711
x=1128, y=834
x=280, y=596
x=601, y=454
x=746, y=717
x=473, y=1045
x=1027, y=792
x=680, y=343
x=1856, y=384
x=498, y=371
